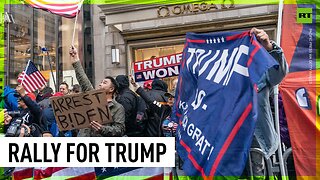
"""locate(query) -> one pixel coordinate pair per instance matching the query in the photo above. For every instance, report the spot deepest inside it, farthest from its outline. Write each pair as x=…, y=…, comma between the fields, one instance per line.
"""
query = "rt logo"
x=304, y=15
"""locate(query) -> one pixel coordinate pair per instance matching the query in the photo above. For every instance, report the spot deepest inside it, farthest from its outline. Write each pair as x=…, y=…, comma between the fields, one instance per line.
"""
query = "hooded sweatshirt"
x=128, y=99
x=11, y=101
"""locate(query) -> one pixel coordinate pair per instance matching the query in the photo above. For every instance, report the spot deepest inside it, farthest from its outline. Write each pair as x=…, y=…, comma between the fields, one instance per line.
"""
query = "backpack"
x=142, y=117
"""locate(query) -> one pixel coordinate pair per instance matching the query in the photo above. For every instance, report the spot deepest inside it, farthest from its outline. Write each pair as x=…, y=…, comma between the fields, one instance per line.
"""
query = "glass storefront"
x=141, y=54
x=19, y=41
x=45, y=39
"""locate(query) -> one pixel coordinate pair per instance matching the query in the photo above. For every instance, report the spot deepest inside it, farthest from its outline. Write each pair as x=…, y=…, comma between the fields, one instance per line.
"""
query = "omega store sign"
x=166, y=11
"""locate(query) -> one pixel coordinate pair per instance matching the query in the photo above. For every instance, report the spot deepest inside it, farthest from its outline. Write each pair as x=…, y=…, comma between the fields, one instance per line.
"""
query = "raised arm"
x=80, y=74
x=274, y=75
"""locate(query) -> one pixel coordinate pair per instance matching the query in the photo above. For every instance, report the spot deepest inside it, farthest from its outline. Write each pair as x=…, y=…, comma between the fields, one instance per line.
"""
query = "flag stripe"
x=35, y=80
x=22, y=173
x=237, y=36
x=54, y=1
x=192, y=159
x=253, y=53
x=88, y=176
x=67, y=8
x=26, y=86
x=39, y=77
x=40, y=173
x=55, y=172
x=30, y=82
x=230, y=138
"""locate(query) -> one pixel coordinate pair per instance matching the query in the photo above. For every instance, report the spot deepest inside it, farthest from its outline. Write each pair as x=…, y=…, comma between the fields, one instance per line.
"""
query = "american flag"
x=83, y=173
x=31, y=79
x=90, y=173
x=65, y=8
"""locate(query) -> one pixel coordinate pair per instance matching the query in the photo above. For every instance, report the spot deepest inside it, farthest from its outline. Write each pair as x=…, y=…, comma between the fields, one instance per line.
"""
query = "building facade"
x=111, y=37
x=141, y=32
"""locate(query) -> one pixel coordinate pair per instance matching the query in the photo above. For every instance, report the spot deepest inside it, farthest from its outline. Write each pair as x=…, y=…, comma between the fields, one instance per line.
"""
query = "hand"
x=96, y=126
x=23, y=130
x=7, y=118
x=133, y=82
x=21, y=90
x=74, y=54
x=46, y=134
x=262, y=37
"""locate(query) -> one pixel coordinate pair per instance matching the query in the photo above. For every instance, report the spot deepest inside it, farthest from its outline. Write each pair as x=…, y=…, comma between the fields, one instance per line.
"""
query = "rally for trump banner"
x=160, y=67
x=216, y=101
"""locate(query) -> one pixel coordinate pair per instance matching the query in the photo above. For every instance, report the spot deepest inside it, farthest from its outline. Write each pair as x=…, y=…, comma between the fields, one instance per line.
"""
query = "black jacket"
x=128, y=99
x=159, y=88
x=32, y=116
x=159, y=112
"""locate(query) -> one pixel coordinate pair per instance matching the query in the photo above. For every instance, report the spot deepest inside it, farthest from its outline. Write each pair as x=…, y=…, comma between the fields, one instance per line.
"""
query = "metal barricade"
x=271, y=168
x=286, y=154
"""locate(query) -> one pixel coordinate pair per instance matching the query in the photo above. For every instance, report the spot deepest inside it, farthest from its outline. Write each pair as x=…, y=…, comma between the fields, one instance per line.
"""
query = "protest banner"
x=161, y=67
x=216, y=102
x=78, y=110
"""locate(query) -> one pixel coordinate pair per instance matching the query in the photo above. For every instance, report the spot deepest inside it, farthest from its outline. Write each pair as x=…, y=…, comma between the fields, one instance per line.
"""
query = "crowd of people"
x=137, y=111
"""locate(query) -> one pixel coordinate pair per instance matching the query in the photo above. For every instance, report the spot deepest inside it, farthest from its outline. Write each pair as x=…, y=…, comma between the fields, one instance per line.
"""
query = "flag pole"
x=53, y=79
x=75, y=23
x=25, y=71
x=276, y=95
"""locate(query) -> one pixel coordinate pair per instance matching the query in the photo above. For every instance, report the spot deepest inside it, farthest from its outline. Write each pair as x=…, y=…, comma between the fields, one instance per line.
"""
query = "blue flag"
x=216, y=101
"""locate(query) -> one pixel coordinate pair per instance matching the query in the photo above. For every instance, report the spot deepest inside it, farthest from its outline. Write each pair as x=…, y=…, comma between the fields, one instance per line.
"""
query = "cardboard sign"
x=78, y=110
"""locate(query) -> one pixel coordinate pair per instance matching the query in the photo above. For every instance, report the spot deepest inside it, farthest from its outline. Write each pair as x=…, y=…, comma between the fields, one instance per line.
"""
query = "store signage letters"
x=166, y=11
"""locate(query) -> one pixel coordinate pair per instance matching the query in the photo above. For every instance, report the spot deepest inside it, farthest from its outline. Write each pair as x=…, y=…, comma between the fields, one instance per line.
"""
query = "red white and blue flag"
x=90, y=173
x=216, y=101
x=85, y=173
x=65, y=8
x=31, y=78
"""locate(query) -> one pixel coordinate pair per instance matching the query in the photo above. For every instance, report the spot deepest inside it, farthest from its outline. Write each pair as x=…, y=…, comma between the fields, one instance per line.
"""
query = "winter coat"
x=128, y=99
x=117, y=127
x=11, y=101
x=159, y=111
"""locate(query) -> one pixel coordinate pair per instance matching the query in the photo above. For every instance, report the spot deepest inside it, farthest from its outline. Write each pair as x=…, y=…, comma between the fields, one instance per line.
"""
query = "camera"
x=15, y=127
x=14, y=114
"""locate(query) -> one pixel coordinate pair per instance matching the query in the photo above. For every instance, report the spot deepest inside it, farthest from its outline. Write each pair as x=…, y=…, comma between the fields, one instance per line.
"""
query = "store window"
x=44, y=48
x=19, y=41
x=141, y=54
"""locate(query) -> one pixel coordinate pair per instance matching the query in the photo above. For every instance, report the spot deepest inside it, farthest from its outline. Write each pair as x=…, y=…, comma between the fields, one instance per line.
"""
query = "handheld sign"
x=161, y=67
x=78, y=110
